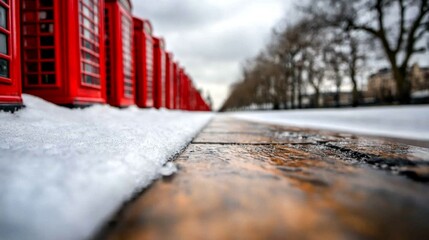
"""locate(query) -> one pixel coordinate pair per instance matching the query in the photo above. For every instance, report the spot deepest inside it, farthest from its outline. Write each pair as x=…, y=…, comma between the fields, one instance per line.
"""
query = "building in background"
x=419, y=78
x=382, y=86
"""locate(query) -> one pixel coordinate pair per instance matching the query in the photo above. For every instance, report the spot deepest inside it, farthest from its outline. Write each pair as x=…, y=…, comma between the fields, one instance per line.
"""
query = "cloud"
x=183, y=15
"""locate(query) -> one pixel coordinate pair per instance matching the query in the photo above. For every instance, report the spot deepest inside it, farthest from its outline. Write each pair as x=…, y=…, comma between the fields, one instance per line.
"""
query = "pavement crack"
x=400, y=166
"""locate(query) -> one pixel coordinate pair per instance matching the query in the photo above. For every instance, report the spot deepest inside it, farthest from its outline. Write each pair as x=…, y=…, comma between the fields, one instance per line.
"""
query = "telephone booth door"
x=184, y=92
x=119, y=58
x=159, y=58
x=10, y=63
x=143, y=58
x=175, y=85
x=169, y=83
x=181, y=87
x=150, y=97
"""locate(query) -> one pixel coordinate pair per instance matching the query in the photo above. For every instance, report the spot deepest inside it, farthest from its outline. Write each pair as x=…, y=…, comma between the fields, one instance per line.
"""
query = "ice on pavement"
x=64, y=172
x=409, y=122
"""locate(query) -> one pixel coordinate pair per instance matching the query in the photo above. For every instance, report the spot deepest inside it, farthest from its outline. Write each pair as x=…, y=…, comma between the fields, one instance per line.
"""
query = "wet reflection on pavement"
x=243, y=180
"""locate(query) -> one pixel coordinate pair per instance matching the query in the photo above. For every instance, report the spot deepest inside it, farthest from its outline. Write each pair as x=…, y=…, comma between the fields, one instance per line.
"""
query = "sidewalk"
x=244, y=180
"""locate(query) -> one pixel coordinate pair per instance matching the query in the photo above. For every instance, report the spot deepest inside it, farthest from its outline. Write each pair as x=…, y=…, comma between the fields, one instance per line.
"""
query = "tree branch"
x=421, y=34
x=380, y=18
x=367, y=29
x=401, y=26
x=412, y=34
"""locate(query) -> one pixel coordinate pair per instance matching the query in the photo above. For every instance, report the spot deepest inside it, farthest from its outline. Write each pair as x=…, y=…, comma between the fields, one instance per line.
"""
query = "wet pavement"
x=245, y=180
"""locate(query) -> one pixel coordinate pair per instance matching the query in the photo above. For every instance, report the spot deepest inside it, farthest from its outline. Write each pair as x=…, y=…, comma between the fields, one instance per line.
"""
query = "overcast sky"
x=211, y=38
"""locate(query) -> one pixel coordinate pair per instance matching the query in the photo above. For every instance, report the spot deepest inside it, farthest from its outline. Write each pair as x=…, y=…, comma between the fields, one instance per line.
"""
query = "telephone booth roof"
x=160, y=41
x=143, y=25
x=126, y=3
x=148, y=26
x=138, y=22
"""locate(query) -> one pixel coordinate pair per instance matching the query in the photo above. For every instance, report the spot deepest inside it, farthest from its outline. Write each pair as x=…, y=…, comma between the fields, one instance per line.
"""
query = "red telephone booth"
x=169, y=83
x=176, y=85
x=159, y=72
x=10, y=63
x=185, y=91
x=191, y=98
x=179, y=87
x=119, y=53
x=63, y=50
x=143, y=57
x=185, y=87
x=193, y=101
x=200, y=102
x=182, y=89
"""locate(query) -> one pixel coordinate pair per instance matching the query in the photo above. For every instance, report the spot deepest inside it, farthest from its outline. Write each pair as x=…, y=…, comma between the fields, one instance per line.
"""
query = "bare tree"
x=399, y=40
x=354, y=60
x=334, y=58
x=289, y=47
x=315, y=70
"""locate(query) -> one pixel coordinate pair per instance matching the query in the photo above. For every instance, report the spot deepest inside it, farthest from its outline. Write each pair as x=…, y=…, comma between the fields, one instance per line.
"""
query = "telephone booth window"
x=149, y=67
x=171, y=85
x=127, y=30
x=108, y=49
x=90, y=41
x=3, y=44
x=3, y=17
x=4, y=68
x=163, y=78
x=39, y=42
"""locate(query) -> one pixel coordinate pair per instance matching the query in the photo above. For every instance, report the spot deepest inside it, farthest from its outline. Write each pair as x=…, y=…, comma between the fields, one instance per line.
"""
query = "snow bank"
x=63, y=172
x=409, y=122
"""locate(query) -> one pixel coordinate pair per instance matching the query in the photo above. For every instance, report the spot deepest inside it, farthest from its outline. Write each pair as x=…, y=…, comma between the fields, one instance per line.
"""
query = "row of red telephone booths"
x=81, y=52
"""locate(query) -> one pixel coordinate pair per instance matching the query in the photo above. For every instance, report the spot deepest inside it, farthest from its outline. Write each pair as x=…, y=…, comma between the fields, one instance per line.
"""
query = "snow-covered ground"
x=408, y=122
x=64, y=172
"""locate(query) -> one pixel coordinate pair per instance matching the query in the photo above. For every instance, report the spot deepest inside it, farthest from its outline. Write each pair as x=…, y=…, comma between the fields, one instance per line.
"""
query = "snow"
x=64, y=172
x=408, y=122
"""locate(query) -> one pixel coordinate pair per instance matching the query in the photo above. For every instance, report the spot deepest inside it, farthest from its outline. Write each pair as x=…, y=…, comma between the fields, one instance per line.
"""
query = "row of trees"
x=329, y=45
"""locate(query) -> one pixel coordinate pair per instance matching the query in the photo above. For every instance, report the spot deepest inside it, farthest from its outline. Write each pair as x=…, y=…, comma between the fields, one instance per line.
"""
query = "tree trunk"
x=403, y=85
x=286, y=97
x=316, y=97
x=292, y=95
x=355, y=96
x=338, y=92
x=337, y=98
x=276, y=106
x=299, y=89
